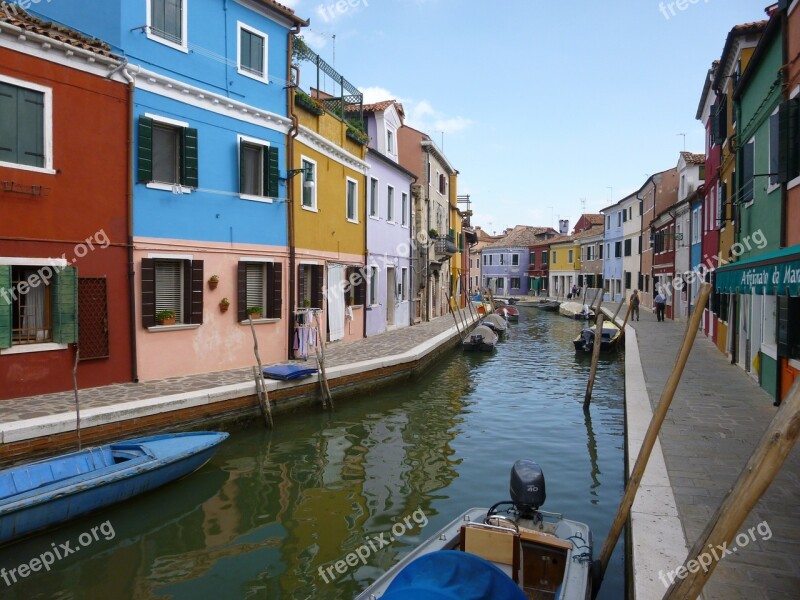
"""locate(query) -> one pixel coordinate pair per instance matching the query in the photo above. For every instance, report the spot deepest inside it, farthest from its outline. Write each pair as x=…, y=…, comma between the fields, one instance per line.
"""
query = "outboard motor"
x=527, y=487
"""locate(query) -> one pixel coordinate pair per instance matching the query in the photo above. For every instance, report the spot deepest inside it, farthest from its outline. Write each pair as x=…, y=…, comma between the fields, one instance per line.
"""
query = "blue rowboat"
x=44, y=493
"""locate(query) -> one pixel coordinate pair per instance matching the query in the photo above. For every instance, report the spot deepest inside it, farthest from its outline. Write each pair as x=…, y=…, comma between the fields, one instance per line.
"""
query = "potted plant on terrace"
x=432, y=233
x=255, y=312
x=213, y=281
x=165, y=317
x=224, y=304
x=305, y=101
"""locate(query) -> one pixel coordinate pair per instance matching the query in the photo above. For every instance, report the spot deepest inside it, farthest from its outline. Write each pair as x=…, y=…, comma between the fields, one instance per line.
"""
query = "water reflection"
x=274, y=507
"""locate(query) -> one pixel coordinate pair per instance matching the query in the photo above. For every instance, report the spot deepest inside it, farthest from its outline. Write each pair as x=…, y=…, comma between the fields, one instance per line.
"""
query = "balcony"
x=443, y=248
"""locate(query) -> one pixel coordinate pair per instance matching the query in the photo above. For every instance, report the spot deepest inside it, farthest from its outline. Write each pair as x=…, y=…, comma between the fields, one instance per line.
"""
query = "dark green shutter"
x=8, y=122
x=301, y=285
x=789, y=142
x=276, y=290
x=189, y=165
x=145, y=170
x=5, y=306
x=317, y=286
x=271, y=172
x=242, y=170
x=197, y=287
x=148, y=272
x=30, y=119
x=65, y=306
x=241, y=291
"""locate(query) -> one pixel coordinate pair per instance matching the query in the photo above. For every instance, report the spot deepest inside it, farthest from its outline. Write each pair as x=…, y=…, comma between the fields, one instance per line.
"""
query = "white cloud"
x=420, y=114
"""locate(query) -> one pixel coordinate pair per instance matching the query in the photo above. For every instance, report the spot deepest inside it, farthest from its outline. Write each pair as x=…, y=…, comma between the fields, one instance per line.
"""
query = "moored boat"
x=496, y=323
x=481, y=338
x=504, y=553
x=609, y=337
x=38, y=495
x=509, y=312
x=548, y=305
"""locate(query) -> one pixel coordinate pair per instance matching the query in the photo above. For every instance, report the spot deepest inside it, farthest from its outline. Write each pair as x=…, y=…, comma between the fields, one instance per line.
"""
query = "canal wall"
x=655, y=532
x=224, y=404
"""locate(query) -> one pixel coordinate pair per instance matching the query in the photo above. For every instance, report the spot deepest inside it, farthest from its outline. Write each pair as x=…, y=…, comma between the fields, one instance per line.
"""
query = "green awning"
x=775, y=273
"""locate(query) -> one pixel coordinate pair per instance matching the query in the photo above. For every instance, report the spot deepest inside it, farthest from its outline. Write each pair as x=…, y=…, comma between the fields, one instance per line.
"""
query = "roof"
x=16, y=16
x=522, y=236
x=285, y=11
x=734, y=34
x=690, y=158
x=768, y=36
x=706, y=89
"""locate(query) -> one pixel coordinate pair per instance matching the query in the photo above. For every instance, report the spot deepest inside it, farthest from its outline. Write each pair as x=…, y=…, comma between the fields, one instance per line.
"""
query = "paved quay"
x=717, y=418
x=37, y=417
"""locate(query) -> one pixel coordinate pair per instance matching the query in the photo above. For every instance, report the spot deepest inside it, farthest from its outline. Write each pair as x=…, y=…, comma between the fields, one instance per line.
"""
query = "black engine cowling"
x=527, y=486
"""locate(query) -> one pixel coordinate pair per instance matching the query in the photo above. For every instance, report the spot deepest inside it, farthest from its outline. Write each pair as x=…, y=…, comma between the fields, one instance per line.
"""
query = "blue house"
x=612, y=263
x=209, y=144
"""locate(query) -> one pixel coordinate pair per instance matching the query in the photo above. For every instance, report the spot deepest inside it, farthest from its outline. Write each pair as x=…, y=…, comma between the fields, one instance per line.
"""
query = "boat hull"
x=163, y=459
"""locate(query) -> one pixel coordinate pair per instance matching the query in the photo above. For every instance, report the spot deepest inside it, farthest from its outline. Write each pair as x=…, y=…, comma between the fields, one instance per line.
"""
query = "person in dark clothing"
x=661, y=304
x=635, y=305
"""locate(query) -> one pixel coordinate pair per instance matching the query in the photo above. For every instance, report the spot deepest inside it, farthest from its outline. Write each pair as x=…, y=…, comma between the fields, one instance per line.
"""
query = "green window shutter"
x=189, y=165
x=30, y=119
x=242, y=168
x=317, y=287
x=789, y=145
x=5, y=306
x=8, y=122
x=65, y=306
x=276, y=290
x=145, y=170
x=271, y=172
x=196, y=286
x=241, y=291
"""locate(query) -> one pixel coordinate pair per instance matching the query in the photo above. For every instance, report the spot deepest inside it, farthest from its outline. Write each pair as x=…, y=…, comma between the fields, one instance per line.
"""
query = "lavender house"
x=388, y=222
x=504, y=264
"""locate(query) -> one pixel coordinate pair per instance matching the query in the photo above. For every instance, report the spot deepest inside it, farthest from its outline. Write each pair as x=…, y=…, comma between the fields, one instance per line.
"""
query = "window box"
x=357, y=136
x=307, y=103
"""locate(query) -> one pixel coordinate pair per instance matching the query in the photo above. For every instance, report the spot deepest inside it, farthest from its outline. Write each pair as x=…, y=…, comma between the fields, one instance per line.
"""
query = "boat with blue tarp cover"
x=38, y=495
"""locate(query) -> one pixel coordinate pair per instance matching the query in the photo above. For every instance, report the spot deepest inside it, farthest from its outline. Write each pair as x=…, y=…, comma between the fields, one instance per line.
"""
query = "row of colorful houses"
x=165, y=176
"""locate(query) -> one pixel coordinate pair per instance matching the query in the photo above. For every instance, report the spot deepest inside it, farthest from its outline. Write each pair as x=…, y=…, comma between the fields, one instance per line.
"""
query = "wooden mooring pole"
x=652, y=430
x=75, y=389
x=766, y=461
x=453, y=310
x=319, y=349
x=598, y=340
x=261, y=385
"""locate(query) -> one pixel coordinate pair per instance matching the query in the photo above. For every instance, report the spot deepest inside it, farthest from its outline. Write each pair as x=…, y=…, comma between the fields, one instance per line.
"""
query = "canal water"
x=273, y=512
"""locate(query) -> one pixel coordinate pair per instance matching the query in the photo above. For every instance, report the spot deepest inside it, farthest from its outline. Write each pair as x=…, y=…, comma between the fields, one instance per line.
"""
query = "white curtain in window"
x=335, y=302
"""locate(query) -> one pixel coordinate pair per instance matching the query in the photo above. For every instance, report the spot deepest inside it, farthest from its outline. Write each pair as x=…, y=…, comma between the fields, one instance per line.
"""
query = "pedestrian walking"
x=661, y=304
x=635, y=305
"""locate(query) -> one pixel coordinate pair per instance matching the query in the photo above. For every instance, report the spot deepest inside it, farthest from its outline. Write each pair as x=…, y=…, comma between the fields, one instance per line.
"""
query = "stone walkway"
x=379, y=346
x=716, y=419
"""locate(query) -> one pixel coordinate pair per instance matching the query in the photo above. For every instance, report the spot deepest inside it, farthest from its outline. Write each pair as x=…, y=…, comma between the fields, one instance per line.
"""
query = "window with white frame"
x=515, y=260
x=515, y=283
x=404, y=284
x=390, y=141
x=26, y=124
x=570, y=256
x=170, y=288
x=258, y=168
x=253, y=53
x=373, y=286
x=167, y=22
x=168, y=152
x=774, y=148
x=259, y=289
x=404, y=209
x=309, y=176
x=352, y=200
x=373, y=197
x=485, y=259
x=502, y=259
x=390, y=204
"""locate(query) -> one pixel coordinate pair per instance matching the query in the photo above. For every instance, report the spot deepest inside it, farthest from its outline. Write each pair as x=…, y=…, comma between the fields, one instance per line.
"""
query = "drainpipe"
x=293, y=131
x=122, y=69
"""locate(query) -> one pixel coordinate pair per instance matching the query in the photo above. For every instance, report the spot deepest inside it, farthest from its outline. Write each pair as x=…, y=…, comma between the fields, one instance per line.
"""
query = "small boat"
x=510, y=313
x=512, y=554
x=496, y=323
x=609, y=339
x=38, y=495
x=548, y=305
x=481, y=338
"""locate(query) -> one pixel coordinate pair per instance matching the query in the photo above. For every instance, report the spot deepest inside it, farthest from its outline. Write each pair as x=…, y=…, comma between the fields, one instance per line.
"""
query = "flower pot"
x=212, y=284
x=255, y=316
x=223, y=307
x=169, y=321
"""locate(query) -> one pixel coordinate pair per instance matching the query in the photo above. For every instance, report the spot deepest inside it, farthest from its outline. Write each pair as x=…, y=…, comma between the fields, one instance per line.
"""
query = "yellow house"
x=739, y=47
x=565, y=265
x=327, y=227
x=458, y=266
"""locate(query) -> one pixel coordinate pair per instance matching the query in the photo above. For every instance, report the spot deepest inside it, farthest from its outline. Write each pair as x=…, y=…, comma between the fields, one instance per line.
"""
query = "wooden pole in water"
x=453, y=310
x=320, y=351
x=491, y=298
x=598, y=339
x=261, y=385
x=77, y=402
x=766, y=461
x=652, y=430
x=619, y=308
x=627, y=316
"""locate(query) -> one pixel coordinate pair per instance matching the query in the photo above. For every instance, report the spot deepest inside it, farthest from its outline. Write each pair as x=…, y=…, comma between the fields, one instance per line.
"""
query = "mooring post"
x=619, y=308
x=598, y=339
x=625, y=323
x=261, y=385
x=652, y=430
x=453, y=311
x=766, y=461
x=75, y=389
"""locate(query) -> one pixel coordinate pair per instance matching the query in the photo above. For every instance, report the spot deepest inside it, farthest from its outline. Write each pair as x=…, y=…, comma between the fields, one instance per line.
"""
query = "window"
x=628, y=247
x=390, y=204
x=403, y=284
x=373, y=286
x=554, y=256
x=788, y=330
x=608, y=251
x=515, y=283
x=589, y=253
x=25, y=125
x=502, y=259
x=373, y=197
x=617, y=249
x=260, y=284
x=485, y=259
x=309, y=175
x=174, y=284
x=627, y=280
x=167, y=152
x=443, y=184
x=389, y=141
x=624, y=216
x=532, y=258
x=608, y=222
x=515, y=260
x=491, y=259
x=352, y=200
x=310, y=285
x=166, y=22
x=500, y=284
x=258, y=169
x=619, y=219
x=600, y=254
x=774, y=147
x=356, y=290
x=404, y=209
x=789, y=144
x=570, y=256
x=544, y=256
x=253, y=53
x=748, y=166
x=38, y=304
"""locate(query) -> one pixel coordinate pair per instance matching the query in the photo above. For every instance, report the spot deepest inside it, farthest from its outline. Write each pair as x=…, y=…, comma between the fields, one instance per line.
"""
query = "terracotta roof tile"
x=693, y=159
x=15, y=15
x=522, y=236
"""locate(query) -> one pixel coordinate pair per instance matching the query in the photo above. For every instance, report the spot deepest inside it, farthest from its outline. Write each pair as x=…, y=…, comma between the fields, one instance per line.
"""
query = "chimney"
x=563, y=226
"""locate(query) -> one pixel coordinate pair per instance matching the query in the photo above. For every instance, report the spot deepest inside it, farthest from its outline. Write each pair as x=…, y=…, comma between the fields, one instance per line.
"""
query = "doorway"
x=391, y=293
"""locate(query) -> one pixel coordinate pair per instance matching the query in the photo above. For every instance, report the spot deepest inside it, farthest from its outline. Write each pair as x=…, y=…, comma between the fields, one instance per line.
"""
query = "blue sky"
x=542, y=104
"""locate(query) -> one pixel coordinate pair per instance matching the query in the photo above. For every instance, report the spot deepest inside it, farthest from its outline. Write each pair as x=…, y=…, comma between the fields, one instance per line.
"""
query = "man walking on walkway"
x=661, y=304
x=635, y=305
